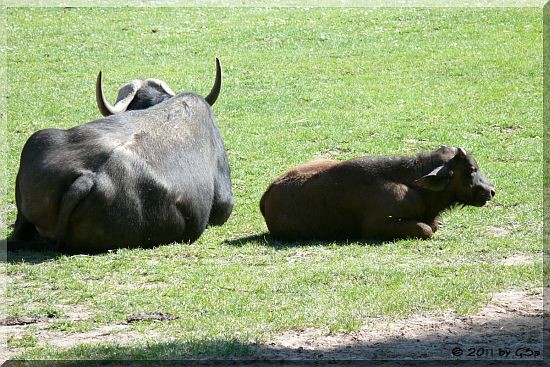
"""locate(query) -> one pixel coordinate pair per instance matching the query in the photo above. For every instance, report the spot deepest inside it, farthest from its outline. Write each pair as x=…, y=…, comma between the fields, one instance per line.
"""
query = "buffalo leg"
x=221, y=210
x=193, y=221
x=23, y=229
x=223, y=197
x=435, y=224
x=397, y=228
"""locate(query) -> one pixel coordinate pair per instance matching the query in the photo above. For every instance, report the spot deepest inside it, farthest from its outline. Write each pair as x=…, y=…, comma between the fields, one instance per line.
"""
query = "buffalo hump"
x=139, y=177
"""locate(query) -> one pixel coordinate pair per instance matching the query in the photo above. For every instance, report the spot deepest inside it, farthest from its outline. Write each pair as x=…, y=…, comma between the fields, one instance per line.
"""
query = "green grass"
x=298, y=84
x=26, y=341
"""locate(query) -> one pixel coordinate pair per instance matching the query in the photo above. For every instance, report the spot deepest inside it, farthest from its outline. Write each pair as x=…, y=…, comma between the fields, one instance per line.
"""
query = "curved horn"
x=125, y=96
x=215, y=92
x=104, y=106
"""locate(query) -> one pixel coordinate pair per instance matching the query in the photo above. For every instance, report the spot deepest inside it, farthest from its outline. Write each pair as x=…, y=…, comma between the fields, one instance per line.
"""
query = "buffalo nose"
x=493, y=193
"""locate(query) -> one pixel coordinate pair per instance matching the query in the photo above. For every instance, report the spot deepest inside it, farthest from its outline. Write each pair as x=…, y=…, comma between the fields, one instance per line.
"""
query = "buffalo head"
x=462, y=178
x=144, y=93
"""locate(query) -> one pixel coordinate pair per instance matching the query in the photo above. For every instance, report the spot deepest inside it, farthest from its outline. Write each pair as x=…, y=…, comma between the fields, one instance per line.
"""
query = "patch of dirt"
x=37, y=327
x=3, y=225
x=512, y=129
x=3, y=213
x=299, y=255
x=518, y=259
x=76, y=312
x=508, y=328
x=107, y=333
x=499, y=231
x=118, y=333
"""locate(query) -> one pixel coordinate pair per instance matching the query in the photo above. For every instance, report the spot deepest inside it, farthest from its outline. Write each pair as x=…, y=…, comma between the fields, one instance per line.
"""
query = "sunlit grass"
x=298, y=84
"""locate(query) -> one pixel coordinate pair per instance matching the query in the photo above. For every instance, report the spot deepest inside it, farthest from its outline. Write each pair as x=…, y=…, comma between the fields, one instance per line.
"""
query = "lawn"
x=298, y=84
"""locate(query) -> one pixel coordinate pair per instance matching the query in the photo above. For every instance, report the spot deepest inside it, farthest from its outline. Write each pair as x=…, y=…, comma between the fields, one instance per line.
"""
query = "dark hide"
x=373, y=198
x=137, y=178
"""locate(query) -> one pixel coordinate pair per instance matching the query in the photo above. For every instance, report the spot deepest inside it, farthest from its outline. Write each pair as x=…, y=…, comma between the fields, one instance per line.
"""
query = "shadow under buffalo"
x=268, y=240
x=429, y=350
x=30, y=252
x=38, y=251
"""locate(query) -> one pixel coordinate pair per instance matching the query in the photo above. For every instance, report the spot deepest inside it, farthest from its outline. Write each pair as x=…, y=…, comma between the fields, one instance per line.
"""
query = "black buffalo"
x=153, y=172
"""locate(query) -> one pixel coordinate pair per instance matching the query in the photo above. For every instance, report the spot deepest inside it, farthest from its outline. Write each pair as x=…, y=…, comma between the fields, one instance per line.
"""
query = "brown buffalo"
x=373, y=197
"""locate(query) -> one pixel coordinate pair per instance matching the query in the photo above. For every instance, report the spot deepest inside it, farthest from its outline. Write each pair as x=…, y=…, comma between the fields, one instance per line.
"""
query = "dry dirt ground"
x=509, y=328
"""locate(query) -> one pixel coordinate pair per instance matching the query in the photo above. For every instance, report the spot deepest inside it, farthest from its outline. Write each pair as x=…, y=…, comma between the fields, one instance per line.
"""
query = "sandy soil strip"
x=509, y=328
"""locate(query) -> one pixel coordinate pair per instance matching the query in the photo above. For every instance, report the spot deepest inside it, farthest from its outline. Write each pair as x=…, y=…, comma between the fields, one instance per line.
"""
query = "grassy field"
x=298, y=84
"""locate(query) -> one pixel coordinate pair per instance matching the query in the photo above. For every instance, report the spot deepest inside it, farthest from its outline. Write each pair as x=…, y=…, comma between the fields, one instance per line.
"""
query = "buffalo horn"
x=215, y=92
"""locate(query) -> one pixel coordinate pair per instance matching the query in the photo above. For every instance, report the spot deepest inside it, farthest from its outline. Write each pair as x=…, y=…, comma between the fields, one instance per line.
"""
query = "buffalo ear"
x=436, y=180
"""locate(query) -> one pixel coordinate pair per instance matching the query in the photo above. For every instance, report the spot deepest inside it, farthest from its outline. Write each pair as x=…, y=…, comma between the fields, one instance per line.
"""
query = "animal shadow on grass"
x=268, y=240
x=30, y=252
x=429, y=350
